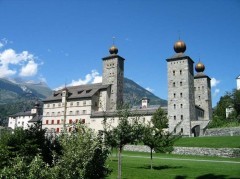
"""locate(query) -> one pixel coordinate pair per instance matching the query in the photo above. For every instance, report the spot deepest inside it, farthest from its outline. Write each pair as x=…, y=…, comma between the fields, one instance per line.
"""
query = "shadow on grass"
x=207, y=176
x=212, y=176
x=161, y=167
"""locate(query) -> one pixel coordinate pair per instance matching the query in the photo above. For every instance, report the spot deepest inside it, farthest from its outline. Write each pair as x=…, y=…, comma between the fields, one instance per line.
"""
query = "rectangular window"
x=53, y=105
x=181, y=95
x=52, y=121
x=83, y=121
x=174, y=117
x=84, y=103
x=70, y=121
x=46, y=121
x=57, y=131
x=181, y=117
x=84, y=111
x=77, y=112
x=58, y=121
x=77, y=103
x=180, y=83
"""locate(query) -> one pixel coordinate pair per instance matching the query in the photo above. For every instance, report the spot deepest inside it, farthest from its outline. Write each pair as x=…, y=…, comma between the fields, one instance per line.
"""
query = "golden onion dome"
x=199, y=67
x=179, y=47
x=113, y=50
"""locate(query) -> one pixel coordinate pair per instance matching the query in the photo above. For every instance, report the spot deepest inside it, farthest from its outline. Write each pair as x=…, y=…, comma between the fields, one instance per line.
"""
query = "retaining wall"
x=228, y=131
x=220, y=152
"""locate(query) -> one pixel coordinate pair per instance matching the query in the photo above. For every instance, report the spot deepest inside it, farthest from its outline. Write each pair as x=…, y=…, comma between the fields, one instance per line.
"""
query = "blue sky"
x=62, y=41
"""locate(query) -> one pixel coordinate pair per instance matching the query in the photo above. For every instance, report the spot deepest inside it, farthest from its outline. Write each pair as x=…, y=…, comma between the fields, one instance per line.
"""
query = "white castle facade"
x=189, y=98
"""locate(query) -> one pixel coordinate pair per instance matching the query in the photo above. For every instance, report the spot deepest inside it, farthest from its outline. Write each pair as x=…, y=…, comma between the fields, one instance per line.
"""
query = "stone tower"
x=113, y=73
x=181, y=104
x=202, y=88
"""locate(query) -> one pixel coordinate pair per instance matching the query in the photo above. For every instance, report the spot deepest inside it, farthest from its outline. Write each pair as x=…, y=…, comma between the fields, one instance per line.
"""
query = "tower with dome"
x=189, y=95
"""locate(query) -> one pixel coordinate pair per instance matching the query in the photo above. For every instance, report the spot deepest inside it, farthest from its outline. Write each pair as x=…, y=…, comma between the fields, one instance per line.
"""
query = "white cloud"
x=1, y=44
x=12, y=62
x=216, y=91
x=92, y=77
x=30, y=69
x=149, y=89
x=214, y=82
x=97, y=79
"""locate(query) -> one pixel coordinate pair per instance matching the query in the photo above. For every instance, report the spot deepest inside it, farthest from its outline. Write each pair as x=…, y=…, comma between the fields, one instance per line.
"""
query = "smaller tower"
x=113, y=74
x=202, y=88
x=145, y=102
x=238, y=82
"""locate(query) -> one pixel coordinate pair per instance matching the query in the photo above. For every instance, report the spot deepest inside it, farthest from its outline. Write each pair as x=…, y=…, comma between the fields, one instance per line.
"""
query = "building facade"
x=189, y=96
x=25, y=119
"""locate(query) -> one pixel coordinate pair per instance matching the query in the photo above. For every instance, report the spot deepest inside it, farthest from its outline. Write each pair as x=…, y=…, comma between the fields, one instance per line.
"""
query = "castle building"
x=89, y=104
x=189, y=96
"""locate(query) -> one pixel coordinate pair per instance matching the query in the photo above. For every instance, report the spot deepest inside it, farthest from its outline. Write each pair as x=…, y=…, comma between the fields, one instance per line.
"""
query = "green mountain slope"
x=133, y=93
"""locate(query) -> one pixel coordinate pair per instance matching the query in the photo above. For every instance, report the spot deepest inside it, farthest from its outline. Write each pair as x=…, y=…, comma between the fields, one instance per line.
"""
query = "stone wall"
x=220, y=152
x=230, y=131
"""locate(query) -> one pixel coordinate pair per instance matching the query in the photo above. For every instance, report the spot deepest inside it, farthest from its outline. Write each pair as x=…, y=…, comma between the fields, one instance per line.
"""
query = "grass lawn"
x=168, y=166
x=211, y=142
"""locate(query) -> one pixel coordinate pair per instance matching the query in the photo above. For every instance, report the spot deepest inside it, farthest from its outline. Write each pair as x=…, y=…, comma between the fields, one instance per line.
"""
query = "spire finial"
x=179, y=34
x=113, y=40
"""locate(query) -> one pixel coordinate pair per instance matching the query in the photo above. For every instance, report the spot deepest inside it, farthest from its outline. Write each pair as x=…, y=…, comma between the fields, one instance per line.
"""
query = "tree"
x=154, y=135
x=83, y=155
x=27, y=144
x=127, y=131
x=236, y=102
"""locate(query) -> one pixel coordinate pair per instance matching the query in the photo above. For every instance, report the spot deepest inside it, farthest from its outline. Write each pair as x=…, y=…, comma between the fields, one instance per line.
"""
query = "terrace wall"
x=220, y=152
x=229, y=131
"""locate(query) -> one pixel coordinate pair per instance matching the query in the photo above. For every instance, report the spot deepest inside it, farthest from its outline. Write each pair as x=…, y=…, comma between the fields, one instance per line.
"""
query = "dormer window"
x=88, y=91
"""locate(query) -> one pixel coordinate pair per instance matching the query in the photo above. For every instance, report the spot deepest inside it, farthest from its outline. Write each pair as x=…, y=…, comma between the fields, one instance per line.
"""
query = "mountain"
x=16, y=90
x=133, y=93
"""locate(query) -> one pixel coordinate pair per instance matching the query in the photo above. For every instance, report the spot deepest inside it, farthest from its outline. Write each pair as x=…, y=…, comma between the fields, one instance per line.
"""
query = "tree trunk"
x=151, y=158
x=119, y=162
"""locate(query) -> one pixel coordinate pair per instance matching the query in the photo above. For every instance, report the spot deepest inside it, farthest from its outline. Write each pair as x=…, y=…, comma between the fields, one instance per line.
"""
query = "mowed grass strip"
x=209, y=142
x=137, y=165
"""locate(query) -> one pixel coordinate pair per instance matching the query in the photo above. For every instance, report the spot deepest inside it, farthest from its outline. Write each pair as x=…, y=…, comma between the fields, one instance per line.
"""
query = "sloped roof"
x=238, y=77
x=25, y=113
x=75, y=92
x=36, y=118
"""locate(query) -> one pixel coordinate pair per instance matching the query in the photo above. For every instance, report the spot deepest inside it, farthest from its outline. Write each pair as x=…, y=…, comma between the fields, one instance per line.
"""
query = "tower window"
x=174, y=130
x=174, y=106
x=199, y=97
x=180, y=72
x=181, y=105
x=174, y=117
x=173, y=72
x=181, y=130
x=181, y=117
x=174, y=95
x=180, y=83
x=181, y=95
x=174, y=84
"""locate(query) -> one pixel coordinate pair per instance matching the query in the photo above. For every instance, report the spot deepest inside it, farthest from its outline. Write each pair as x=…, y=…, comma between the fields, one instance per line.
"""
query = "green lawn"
x=212, y=142
x=137, y=165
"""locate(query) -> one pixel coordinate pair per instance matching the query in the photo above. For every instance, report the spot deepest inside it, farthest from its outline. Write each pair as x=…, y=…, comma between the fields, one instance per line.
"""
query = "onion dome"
x=179, y=47
x=113, y=50
x=199, y=67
